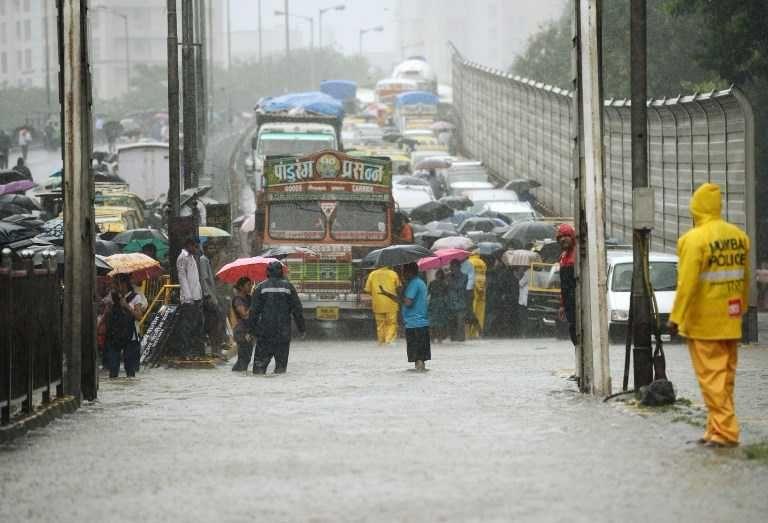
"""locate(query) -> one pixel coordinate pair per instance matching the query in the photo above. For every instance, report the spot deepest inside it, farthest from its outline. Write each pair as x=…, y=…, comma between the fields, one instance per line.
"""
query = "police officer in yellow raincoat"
x=712, y=292
x=478, y=298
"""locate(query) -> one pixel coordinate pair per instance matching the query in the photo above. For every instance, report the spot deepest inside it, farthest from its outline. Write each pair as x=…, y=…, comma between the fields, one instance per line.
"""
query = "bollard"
x=5, y=258
x=27, y=405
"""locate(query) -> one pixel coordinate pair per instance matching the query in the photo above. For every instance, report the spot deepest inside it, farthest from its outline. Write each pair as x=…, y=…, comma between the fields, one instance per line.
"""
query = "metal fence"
x=30, y=340
x=523, y=129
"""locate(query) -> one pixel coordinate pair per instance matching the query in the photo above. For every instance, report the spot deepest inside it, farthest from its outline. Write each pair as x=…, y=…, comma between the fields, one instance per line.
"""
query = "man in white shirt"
x=190, y=326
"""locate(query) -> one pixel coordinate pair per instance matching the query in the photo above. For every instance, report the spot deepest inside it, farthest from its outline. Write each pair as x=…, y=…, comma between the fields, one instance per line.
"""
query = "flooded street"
x=494, y=432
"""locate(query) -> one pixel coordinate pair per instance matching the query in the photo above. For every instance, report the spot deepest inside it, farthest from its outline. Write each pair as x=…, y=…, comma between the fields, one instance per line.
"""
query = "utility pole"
x=592, y=351
x=200, y=83
x=46, y=38
x=209, y=88
x=80, y=370
x=174, y=186
x=287, y=29
x=189, y=103
x=642, y=200
x=261, y=43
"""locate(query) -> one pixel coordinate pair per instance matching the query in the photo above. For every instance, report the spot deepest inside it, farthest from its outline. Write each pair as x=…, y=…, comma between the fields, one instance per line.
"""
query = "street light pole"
x=320, y=13
x=287, y=30
x=363, y=32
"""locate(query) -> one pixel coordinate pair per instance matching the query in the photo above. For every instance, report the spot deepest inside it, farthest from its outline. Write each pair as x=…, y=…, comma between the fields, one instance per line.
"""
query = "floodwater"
x=493, y=432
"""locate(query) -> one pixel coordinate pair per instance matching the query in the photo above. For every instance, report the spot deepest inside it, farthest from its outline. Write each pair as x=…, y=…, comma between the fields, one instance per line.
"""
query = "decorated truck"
x=340, y=208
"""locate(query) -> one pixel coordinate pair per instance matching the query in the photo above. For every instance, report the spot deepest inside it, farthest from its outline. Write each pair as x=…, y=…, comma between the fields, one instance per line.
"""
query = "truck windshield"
x=273, y=145
x=359, y=220
x=296, y=220
x=663, y=276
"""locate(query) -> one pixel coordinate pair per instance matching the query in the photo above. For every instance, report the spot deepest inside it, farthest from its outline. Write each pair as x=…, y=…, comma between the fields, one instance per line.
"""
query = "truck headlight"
x=619, y=315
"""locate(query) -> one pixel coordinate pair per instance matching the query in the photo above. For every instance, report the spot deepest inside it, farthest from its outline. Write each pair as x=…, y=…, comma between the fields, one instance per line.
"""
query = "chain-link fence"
x=524, y=129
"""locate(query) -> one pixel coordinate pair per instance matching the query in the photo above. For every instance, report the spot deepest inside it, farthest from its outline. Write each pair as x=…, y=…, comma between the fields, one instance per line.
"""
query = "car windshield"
x=467, y=177
x=663, y=276
x=296, y=220
x=290, y=145
x=359, y=221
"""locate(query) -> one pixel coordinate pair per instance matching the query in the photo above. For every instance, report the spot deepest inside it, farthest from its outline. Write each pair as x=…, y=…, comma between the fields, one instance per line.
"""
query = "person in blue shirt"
x=415, y=316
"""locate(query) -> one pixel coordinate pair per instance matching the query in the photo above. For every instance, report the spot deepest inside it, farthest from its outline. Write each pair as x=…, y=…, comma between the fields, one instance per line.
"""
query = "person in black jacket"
x=273, y=303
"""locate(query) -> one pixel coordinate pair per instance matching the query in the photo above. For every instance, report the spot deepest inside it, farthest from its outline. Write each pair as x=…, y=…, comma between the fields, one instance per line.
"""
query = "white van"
x=663, y=272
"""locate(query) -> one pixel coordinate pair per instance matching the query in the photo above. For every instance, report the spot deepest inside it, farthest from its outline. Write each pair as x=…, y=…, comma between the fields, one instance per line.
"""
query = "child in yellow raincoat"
x=712, y=292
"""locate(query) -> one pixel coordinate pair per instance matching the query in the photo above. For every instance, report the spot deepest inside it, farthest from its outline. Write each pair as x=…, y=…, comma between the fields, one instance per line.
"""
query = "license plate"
x=327, y=313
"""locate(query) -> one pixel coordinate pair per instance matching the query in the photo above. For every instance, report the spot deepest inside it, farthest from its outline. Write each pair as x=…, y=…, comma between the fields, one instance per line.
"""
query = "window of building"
x=16, y=6
x=26, y=6
x=18, y=29
x=28, y=59
x=19, y=60
x=3, y=36
x=2, y=7
x=4, y=62
x=27, y=30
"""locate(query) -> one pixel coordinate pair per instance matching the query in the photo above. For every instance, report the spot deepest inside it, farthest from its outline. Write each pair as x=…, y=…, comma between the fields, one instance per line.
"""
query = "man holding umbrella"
x=273, y=303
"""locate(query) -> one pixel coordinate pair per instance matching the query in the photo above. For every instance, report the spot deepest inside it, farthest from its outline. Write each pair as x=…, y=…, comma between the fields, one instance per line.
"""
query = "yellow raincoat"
x=478, y=302
x=712, y=291
x=713, y=274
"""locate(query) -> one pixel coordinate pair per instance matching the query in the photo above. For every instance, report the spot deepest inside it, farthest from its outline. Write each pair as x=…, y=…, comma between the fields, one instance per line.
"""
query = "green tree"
x=24, y=106
x=547, y=55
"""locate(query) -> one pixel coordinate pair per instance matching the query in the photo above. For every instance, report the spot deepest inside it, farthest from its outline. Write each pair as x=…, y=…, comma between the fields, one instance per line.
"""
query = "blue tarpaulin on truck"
x=416, y=97
x=339, y=89
x=310, y=102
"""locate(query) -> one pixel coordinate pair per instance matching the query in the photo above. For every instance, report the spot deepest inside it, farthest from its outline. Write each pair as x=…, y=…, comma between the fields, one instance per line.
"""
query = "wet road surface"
x=493, y=432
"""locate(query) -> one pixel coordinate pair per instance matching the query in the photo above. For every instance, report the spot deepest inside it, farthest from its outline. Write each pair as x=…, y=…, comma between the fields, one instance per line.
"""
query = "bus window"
x=296, y=220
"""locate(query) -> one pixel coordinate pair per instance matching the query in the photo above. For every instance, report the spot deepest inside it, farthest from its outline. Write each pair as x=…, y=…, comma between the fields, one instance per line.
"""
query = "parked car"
x=663, y=272
x=514, y=211
x=408, y=197
x=484, y=196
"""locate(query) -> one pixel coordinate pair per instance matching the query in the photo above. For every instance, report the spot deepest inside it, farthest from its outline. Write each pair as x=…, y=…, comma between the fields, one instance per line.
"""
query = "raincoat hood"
x=706, y=204
x=566, y=229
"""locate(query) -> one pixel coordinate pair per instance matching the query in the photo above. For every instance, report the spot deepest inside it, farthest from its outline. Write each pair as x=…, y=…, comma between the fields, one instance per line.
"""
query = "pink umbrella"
x=19, y=186
x=253, y=268
x=441, y=258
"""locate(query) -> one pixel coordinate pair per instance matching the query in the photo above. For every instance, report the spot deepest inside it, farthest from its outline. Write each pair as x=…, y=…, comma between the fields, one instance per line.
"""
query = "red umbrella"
x=441, y=258
x=253, y=268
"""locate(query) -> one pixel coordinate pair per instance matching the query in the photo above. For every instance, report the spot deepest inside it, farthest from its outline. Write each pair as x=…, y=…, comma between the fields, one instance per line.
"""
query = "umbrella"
x=549, y=250
x=25, y=220
x=443, y=126
x=15, y=187
x=521, y=185
x=460, y=216
x=102, y=265
x=193, y=192
x=253, y=268
x=161, y=247
x=454, y=242
x=442, y=257
x=480, y=236
x=212, y=232
x=479, y=223
x=9, y=209
x=487, y=213
x=520, y=258
x=442, y=226
x=525, y=233
x=411, y=180
x=431, y=211
x=21, y=200
x=395, y=255
x=106, y=248
x=429, y=164
x=456, y=202
x=286, y=251
x=124, y=238
x=139, y=266
x=54, y=227
x=488, y=248
x=11, y=232
x=11, y=176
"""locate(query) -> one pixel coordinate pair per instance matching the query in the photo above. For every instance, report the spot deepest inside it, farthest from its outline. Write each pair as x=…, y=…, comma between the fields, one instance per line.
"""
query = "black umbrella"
x=11, y=176
x=286, y=251
x=9, y=209
x=20, y=200
x=431, y=211
x=430, y=164
x=106, y=248
x=525, y=233
x=487, y=213
x=476, y=223
x=11, y=232
x=395, y=255
x=25, y=220
x=521, y=185
x=550, y=251
x=458, y=203
x=442, y=226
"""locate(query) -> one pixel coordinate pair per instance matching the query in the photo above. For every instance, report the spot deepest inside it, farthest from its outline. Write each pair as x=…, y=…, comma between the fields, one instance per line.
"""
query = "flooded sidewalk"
x=493, y=432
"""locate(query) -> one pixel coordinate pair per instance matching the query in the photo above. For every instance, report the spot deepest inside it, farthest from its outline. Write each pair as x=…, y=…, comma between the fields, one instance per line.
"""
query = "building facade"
x=490, y=32
x=28, y=30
